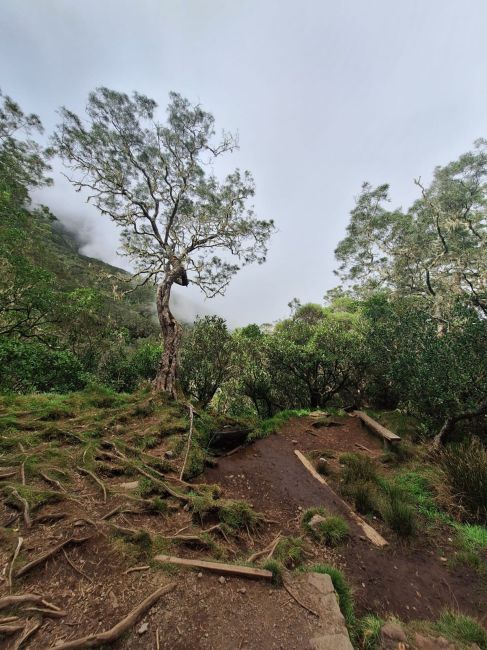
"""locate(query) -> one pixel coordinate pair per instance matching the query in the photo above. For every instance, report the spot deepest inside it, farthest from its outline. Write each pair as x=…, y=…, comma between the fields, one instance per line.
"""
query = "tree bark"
x=450, y=422
x=165, y=379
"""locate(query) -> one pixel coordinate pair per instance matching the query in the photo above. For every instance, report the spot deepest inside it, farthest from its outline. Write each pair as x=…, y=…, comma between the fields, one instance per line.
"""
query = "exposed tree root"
x=96, y=479
x=169, y=490
x=22, y=473
x=16, y=552
x=20, y=599
x=55, y=516
x=30, y=628
x=52, y=481
x=11, y=628
x=114, y=633
x=8, y=474
x=49, y=553
x=52, y=613
x=270, y=548
x=25, y=507
x=190, y=435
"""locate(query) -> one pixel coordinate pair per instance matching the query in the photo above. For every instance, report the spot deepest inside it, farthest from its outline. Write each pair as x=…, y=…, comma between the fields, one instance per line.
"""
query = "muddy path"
x=408, y=580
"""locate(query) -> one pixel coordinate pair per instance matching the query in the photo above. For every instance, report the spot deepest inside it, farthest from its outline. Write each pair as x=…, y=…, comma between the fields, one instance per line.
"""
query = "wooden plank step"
x=377, y=428
x=217, y=567
x=371, y=534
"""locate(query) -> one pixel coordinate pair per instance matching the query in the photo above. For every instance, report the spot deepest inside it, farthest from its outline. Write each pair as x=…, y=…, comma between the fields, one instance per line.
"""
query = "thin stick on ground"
x=96, y=479
x=22, y=473
x=190, y=407
x=300, y=602
x=44, y=611
x=20, y=541
x=49, y=553
x=158, y=645
x=73, y=566
x=114, y=633
x=136, y=568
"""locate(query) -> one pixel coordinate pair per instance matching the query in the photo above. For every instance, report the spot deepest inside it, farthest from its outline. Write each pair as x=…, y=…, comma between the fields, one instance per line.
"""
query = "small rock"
x=393, y=632
x=242, y=590
x=143, y=628
x=295, y=442
x=169, y=454
x=221, y=580
x=131, y=485
x=443, y=559
x=200, y=575
x=315, y=521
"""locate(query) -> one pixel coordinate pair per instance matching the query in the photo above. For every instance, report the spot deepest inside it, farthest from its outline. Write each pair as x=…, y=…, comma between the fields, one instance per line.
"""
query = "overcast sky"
x=324, y=94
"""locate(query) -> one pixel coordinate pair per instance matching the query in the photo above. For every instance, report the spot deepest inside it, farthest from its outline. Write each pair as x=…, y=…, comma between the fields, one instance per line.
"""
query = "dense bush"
x=466, y=469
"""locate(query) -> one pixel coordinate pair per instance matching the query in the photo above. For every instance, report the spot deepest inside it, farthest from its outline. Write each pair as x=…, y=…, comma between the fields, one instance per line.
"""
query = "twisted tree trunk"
x=165, y=379
x=450, y=422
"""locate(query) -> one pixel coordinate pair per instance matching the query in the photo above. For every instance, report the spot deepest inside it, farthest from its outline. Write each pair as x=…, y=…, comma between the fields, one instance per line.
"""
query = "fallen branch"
x=114, y=633
x=49, y=553
x=190, y=407
x=293, y=595
x=16, y=552
x=22, y=473
x=96, y=479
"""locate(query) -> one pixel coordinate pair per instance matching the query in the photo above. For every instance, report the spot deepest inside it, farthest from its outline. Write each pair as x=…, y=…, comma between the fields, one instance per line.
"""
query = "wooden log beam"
x=377, y=428
x=217, y=567
x=368, y=531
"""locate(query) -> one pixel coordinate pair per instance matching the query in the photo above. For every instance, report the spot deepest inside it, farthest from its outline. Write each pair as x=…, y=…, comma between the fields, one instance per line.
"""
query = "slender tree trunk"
x=165, y=379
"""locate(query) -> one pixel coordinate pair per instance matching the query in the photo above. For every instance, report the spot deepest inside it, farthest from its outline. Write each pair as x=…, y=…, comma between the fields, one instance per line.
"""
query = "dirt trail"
x=408, y=580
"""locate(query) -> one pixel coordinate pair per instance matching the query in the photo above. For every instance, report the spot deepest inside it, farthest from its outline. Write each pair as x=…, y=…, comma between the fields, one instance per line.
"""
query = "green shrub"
x=289, y=551
x=275, y=567
x=466, y=468
x=332, y=531
x=368, y=632
x=358, y=468
x=463, y=629
x=363, y=495
x=399, y=515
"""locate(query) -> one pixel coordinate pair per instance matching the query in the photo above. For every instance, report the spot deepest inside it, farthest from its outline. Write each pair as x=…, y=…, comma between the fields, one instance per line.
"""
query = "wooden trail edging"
x=378, y=429
x=369, y=532
x=218, y=567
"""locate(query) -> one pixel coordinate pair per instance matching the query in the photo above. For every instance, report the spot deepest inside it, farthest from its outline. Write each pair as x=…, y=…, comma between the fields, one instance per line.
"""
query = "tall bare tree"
x=157, y=182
